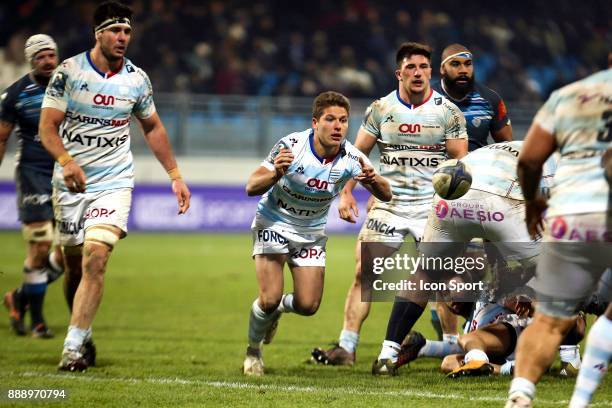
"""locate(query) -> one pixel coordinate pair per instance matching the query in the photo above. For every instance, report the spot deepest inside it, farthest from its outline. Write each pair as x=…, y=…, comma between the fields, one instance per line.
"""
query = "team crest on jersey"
x=389, y=119
x=438, y=101
x=476, y=122
x=334, y=175
x=58, y=85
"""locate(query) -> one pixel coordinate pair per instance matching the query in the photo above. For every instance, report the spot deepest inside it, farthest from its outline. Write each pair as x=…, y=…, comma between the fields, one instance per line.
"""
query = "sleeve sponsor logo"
x=57, y=86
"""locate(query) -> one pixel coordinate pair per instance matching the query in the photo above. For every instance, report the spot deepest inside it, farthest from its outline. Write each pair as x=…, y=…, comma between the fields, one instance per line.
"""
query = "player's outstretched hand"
x=182, y=193
x=283, y=161
x=347, y=207
x=74, y=177
x=534, y=210
x=368, y=174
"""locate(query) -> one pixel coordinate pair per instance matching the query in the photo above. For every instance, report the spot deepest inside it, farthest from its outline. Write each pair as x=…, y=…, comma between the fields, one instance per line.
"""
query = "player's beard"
x=459, y=89
x=109, y=55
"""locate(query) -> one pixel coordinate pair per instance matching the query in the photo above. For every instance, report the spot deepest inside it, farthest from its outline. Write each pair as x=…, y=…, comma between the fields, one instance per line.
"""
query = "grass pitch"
x=172, y=331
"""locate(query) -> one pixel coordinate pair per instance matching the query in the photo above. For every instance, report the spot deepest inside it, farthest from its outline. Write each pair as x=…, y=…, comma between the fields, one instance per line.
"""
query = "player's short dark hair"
x=326, y=99
x=110, y=9
x=408, y=49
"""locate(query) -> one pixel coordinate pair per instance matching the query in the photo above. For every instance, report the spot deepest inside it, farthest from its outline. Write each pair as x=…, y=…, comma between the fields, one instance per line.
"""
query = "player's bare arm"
x=539, y=146
x=503, y=135
x=262, y=179
x=48, y=129
x=347, y=206
x=157, y=138
x=456, y=148
x=5, y=132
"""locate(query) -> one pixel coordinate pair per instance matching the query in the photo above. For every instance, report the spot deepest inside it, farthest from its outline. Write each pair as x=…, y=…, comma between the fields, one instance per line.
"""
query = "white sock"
x=523, y=386
x=389, y=350
x=54, y=262
x=349, y=340
x=570, y=354
x=594, y=363
x=441, y=349
x=286, y=304
x=450, y=338
x=476, y=354
x=506, y=368
x=76, y=337
x=259, y=322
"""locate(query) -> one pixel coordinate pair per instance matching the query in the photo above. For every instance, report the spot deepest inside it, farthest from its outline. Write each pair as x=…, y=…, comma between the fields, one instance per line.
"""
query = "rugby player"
x=484, y=110
x=20, y=107
x=415, y=129
x=84, y=125
x=576, y=121
x=304, y=172
x=485, y=114
x=492, y=209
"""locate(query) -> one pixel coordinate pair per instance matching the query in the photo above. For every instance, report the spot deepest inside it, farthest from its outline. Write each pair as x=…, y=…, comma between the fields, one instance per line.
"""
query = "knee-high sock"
x=259, y=322
x=594, y=362
x=34, y=288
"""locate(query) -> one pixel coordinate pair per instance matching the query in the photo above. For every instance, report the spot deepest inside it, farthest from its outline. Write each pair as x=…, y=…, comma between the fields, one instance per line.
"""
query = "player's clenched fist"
x=282, y=161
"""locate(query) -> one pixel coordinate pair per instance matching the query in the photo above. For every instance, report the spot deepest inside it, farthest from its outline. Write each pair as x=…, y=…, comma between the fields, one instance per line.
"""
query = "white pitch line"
x=286, y=388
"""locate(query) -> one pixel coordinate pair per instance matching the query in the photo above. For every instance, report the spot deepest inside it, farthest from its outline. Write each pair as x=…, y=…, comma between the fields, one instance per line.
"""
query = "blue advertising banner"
x=213, y=209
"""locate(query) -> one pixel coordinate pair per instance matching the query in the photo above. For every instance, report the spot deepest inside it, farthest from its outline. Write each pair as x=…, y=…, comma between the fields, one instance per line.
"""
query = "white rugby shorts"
x=480, y=214
x=382, y=225
x=302, y=249
x=76, y=212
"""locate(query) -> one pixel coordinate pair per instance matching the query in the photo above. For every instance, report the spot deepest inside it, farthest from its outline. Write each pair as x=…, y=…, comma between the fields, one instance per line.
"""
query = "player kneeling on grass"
x=300, y=178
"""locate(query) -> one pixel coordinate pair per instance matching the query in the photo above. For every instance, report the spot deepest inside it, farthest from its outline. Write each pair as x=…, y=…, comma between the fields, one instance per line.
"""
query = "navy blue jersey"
x=484, y=111
x=20, y=105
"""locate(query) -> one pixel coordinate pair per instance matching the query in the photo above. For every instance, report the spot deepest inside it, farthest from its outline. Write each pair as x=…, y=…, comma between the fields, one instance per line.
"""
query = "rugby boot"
x=72, y=360
x=471, y=369
x=410, y=347
x=41, y=331
x=253, y=363
x=333, y=356
x=384, y=367
x=12, y=304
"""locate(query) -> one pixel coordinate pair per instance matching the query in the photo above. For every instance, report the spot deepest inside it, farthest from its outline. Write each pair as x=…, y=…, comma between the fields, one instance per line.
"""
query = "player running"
x=415, y=129
x=576, y=121
x=20, y=106
x=304, y=172
x=84, y=125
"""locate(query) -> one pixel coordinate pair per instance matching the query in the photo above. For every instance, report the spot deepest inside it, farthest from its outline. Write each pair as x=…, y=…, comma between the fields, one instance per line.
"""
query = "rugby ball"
x=452, y=179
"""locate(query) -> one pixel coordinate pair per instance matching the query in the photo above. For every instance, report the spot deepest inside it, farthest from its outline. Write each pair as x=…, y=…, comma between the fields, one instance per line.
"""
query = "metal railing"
x=247, y=126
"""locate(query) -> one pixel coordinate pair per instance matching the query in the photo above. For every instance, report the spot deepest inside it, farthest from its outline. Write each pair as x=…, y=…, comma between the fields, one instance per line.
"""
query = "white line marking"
x=286, y=388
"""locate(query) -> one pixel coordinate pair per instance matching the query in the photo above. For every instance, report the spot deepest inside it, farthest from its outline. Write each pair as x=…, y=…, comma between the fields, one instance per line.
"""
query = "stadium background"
x=231, y=77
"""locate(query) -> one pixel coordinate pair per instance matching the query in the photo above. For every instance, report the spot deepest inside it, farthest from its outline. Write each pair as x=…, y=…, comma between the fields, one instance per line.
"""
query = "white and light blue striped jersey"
x=300, y=200
x=493, y=169
x=579, y=116
x=96, y=127
x=412, y=143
